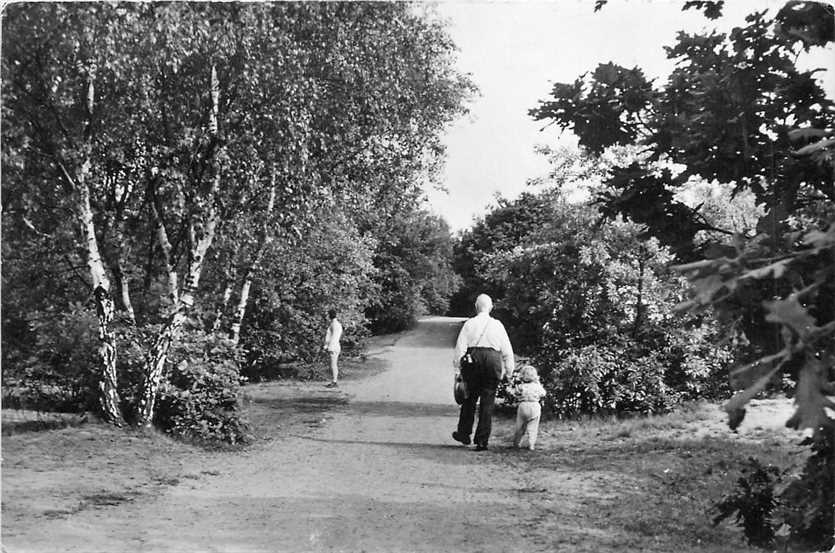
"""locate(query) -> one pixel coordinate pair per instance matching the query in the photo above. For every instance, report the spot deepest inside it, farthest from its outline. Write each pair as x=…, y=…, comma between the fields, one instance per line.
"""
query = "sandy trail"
x=381, y=475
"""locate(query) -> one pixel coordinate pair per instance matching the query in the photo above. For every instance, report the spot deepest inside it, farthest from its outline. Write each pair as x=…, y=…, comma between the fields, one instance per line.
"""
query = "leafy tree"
x=738, y=111
x=594, y=306
x=329, y=267
x=373, y=125
x=503, y=228
x=413, y=270
x=189, y=140
x=56, y=89
x=730, y=112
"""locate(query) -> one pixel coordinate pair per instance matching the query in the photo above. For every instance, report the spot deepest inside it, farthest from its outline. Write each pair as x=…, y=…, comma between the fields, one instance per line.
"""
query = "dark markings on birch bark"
x=199, y=245
x=154, y=370
x=109, y=397
x=221, y=309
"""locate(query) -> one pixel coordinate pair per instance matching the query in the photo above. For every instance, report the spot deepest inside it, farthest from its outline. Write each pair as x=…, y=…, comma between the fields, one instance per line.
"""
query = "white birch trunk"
x=200, y=240
x=124, y=294
x=227, y=295
x=154, y=367
x=109, y=398
x=256, y=264
x=121, y=275
x=165, y=247
x=241, y=310
x=109, y=393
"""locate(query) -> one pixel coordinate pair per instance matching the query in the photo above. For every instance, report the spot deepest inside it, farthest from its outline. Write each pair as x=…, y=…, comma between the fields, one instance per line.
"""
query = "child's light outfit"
x=528, y=412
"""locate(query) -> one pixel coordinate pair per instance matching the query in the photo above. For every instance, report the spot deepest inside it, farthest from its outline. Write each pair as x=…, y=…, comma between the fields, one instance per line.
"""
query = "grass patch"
x=59, y=471
x=653, y=481
x=18, y=421
x=276, y=409
x=352, y=367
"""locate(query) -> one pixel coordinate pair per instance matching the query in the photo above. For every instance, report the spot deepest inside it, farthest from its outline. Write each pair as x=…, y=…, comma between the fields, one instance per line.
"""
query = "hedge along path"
x=382, y=475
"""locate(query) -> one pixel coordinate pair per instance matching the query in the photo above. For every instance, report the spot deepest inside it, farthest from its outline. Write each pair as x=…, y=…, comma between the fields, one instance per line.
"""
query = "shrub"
x=330, y=269
x=752, y=502
x=697, y=368
x=199, y=400
x=58, y=372
x=807, y=503
x=133, y=342
x=606, y=379
x=398, y=307
x=776, y=507
x=595, y=307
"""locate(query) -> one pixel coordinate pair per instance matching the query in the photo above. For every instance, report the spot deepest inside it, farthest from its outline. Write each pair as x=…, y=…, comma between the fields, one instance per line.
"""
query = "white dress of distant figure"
x=333, y=347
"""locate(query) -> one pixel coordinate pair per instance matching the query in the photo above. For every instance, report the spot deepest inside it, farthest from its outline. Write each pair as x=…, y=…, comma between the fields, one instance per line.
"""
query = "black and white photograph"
x=459, y=276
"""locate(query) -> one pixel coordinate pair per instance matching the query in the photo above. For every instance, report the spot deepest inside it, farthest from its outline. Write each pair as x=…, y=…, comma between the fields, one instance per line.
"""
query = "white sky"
x=515, y=51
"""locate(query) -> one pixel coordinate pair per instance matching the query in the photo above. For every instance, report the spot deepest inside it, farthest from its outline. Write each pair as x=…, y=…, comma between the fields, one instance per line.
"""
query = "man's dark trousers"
x=482, y=378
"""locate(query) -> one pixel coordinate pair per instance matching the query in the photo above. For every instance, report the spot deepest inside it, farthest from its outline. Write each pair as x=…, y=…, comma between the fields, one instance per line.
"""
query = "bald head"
x=483, y=304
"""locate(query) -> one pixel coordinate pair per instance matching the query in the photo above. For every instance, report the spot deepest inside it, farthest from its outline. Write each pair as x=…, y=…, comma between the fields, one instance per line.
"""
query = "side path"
x=382, y=476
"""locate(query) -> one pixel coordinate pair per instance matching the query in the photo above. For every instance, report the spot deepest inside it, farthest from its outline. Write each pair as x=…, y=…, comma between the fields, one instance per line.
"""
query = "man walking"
x=333, y=347
x=486, y=340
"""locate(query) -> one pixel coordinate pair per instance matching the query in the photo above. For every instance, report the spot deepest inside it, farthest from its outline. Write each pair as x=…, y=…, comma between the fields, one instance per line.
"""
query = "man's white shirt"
x=494, y=337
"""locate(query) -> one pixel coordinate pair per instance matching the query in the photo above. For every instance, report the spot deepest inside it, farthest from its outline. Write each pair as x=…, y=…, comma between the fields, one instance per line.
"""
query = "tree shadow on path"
x=401, y=409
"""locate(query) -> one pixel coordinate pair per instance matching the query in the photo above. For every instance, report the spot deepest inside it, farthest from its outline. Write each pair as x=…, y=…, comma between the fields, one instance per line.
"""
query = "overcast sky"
x=516, y=50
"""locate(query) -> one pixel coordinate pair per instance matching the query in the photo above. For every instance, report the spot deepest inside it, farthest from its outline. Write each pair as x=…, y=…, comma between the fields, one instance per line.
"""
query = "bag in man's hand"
x=459, y=390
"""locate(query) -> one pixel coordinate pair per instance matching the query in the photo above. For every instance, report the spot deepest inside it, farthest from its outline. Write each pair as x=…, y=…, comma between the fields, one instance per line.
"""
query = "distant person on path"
x=528, y=392
x=332, y=346
x=485, y=340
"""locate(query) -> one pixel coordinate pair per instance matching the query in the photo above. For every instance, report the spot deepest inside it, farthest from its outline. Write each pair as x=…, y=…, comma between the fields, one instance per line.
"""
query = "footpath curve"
x=381, y=475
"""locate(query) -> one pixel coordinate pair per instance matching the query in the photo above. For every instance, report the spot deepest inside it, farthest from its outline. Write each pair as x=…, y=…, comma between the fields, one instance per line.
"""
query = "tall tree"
x=188, y=138
x=52, y=84
x=738, y=110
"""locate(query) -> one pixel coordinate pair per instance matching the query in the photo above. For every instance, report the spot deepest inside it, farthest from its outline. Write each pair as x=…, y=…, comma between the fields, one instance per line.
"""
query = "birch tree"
x=50, y=89
x=187, y=139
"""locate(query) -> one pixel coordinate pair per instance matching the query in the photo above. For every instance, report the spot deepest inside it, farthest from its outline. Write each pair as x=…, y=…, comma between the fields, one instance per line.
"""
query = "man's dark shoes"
x=481, y=447
x=459, y=437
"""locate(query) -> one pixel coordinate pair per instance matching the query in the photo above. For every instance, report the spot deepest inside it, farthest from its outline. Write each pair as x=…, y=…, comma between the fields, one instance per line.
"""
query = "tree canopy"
x=175, y=149
x=735, y=110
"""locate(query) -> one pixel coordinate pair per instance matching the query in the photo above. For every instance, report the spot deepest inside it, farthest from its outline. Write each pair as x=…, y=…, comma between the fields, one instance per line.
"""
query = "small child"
x=528, y=392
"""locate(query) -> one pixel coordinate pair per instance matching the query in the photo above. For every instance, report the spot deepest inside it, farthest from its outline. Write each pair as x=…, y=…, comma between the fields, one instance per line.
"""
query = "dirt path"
x=372, y=468
x=381, y=475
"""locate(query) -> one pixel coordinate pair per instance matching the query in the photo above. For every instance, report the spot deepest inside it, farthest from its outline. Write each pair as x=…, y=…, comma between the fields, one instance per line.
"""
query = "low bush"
x=596, y=310
x=57, y=369
x=606, y=380
x=60, y=372
x=330, y=269
x=779, y=508
x=752, y=502
x=397, y=308
x=199, y=400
